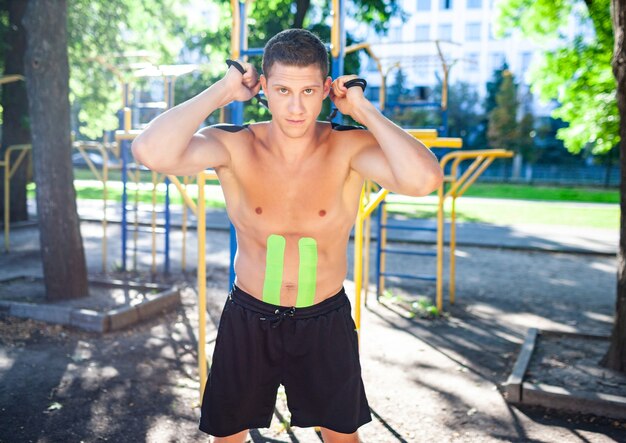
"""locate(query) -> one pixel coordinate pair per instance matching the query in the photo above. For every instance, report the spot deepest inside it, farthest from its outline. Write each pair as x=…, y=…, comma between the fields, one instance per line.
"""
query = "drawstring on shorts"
x=279, y=316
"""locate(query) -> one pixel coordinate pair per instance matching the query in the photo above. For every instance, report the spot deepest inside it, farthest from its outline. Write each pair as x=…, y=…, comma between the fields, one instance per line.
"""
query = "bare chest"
x=312, y=198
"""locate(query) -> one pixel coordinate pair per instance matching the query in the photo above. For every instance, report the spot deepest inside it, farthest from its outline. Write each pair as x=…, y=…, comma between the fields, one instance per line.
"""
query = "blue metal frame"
x=380, y=250
x=124, y=154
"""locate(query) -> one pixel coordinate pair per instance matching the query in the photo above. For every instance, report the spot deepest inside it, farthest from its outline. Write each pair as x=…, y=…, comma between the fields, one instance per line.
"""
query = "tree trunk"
x=616, y=355
x=302, y=6
x=15, y=127
x=47, y=84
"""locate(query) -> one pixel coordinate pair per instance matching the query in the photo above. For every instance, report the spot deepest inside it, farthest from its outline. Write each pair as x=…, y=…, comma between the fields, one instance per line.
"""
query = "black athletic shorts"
x=313, y=352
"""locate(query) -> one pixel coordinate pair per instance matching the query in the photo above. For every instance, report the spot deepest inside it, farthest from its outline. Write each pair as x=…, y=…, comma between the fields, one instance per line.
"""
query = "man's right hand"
x=242, y=87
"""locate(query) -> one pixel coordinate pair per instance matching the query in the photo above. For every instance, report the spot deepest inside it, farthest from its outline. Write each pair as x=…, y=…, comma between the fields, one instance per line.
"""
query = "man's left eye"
x=308, y=91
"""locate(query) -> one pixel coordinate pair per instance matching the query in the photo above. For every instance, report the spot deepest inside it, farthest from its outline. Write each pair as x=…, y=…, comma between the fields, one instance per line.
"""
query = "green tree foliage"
x=99, y=33
x=503, y=129
x=578, y=73
x=267, y=18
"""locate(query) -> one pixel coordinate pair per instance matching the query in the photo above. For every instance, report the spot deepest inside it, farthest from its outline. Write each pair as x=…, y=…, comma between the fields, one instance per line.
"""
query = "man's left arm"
x=389, y=155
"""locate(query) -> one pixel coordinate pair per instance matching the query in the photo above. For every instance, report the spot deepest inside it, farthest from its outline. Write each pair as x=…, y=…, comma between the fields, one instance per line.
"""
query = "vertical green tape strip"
x=274, y=261
x=307, y=274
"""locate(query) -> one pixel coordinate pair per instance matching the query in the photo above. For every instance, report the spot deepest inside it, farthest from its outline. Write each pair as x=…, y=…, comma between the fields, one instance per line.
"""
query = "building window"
x=527, y=58
x=422, y=33
x=423, y=5
x=396, y=34
x=472, y=32
x=422, y=68
x=497, y=60
x=472, y=61
x=445, y=4
x=474, y=4
x=445, y=32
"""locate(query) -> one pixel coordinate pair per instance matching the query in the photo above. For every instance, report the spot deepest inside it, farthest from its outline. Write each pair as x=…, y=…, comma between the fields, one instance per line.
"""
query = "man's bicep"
x=371, y=163
x=205, y=150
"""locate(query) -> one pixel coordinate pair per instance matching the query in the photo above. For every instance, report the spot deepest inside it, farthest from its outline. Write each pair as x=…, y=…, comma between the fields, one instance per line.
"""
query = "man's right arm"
x=170, y=144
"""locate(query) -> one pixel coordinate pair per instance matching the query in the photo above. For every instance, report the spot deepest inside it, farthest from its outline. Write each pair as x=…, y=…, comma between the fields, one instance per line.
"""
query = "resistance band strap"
x=235, y=64
x=360, y=82
x=307, y=273
x=274, y=262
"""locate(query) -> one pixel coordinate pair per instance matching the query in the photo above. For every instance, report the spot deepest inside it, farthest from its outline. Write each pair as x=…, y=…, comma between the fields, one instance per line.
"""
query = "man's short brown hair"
x=295, y=47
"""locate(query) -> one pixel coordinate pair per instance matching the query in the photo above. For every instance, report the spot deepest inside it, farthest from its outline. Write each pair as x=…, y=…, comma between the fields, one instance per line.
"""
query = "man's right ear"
x=263, y=81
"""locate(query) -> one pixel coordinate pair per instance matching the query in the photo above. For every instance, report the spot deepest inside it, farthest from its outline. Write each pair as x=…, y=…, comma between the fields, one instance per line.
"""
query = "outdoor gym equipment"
x=9, y=171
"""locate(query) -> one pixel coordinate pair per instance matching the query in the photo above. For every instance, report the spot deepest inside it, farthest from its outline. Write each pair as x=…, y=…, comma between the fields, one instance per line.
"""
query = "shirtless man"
x=292, y=188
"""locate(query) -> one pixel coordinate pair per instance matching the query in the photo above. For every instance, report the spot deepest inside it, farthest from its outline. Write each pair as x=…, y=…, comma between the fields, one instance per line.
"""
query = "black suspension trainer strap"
x=239, y=68
x=360, y=82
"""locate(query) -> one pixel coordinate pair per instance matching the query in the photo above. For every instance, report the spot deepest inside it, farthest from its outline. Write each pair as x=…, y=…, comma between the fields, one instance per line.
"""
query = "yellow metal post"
x=452, y=249
x=358, y=263
x=368, y=235
x=202, y=363
x=184, y=229
x=8, y=173
x=383, y=245
x=440, y=251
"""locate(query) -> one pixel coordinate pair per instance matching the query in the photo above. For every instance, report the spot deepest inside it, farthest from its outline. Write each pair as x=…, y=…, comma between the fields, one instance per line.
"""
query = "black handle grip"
x=236, y=64
x=361, y=82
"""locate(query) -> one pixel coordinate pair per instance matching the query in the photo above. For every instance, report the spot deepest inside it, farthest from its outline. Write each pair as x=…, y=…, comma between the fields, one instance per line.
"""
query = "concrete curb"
x=522, y=392
x=94, y=321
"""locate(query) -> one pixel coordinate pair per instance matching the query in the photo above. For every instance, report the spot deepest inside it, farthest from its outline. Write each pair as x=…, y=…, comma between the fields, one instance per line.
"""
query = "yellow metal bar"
x=443, y=142
x=92, y=167
x=234, y=33
x=202, y=363
x=458, y=185
x=474, y=177
x=10, y=78
x=183, y=192
x=497, y=153
x=451, y=285
x=335, y=34
x=184, y=230
x=457, y=182
x=127, y=135
x=379, y=197
x=18, y=162
x=423, y=133
x=127, y=120
x=358, y=262
x=368, y=234
x=383, y=245
x=8, y=173
x=440, y=251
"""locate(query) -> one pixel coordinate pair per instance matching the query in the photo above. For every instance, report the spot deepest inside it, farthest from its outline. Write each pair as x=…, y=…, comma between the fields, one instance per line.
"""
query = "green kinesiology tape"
x=307, y=274
x=274, y=262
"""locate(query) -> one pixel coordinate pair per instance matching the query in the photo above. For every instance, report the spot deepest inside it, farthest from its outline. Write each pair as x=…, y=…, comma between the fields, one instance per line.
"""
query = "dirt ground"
x=426, y=380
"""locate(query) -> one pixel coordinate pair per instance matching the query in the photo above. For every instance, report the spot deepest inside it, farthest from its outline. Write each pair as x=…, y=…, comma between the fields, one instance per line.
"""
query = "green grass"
x=509, y=212
x=552, y=193
x=515, y=204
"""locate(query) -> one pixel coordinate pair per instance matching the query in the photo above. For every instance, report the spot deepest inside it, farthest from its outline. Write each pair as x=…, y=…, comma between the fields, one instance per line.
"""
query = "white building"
x=465, y=29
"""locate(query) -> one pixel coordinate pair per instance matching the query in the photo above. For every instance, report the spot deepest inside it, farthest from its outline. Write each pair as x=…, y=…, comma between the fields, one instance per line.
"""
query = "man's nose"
x=296, y=105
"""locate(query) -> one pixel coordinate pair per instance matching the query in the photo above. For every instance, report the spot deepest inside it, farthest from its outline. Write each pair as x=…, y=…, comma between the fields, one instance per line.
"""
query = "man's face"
x=295, y=95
